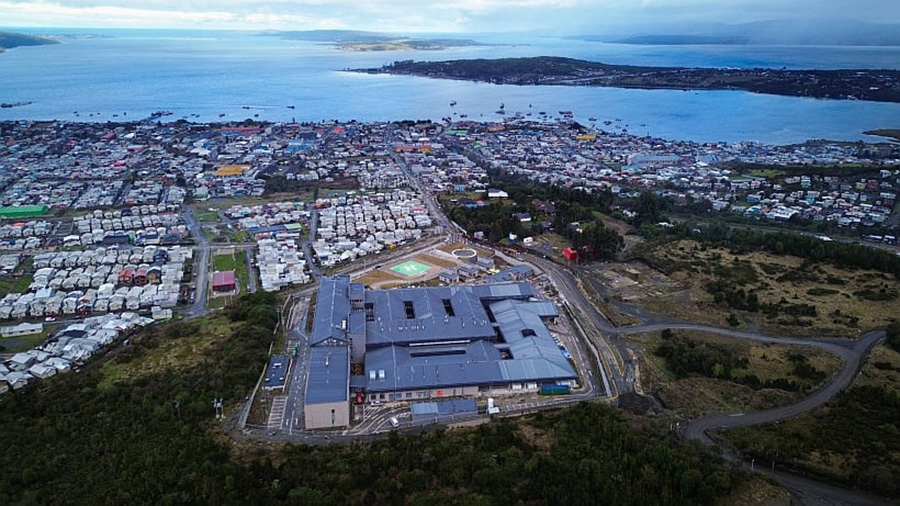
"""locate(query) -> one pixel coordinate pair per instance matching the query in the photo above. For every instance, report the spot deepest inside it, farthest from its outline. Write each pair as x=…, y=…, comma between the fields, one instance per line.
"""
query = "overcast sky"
x=547, y=16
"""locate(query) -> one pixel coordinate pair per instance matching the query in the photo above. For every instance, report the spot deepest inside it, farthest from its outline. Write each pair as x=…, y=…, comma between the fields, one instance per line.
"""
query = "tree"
x=893, y=336
x=647, y=208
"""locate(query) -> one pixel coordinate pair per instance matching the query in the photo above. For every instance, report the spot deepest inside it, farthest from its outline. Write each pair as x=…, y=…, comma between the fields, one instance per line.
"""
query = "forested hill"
x=9, y=40
x=851, y=84
x=137, y=427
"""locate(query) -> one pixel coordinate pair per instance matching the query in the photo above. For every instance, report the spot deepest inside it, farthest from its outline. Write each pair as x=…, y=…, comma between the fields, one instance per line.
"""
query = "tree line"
x=687, y=357
x=137, y=427
x=840, y=254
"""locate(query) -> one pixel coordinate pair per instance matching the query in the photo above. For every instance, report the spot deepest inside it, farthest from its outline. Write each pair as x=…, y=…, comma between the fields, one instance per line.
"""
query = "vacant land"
x=377, y=277
x=783, y=295
x=207, y=216
x=437, y=262
x=853, y=439
x=20, y=279
x=171, y=355
x=706, y=372
x=449, y=248
x=18, y=284
x=25, y=343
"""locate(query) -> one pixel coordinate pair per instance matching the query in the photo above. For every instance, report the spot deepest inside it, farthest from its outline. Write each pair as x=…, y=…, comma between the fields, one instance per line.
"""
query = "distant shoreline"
x=890, y=133
x=855, y=84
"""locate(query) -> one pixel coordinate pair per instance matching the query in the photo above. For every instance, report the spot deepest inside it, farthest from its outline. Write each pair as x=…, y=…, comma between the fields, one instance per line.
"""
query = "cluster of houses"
x=24, y=235
x=99, y=196
x=99, y=281
x=66, y=349
x=281, y=264
x=381, y=174
x=55, y=194
x=143, y=193
x=690, y=172
x=211, y=186
x=436, y=166
x=139, y=225
x=845, y=201
x=362, y=223
x=262, y=218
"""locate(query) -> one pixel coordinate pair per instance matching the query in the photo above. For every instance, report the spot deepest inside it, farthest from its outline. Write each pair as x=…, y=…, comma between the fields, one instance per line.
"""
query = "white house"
x=22, y=329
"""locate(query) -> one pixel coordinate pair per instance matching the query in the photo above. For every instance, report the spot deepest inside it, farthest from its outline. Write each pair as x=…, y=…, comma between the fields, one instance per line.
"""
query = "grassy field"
x=696, y=394
x=235, y=261
x=172, y=354
x=435, y=261
x=852, y=439
x=218, y=204
x=766, y=173
x=25, y=343
x=847, y=303
x=207, y=216
x=15, y=285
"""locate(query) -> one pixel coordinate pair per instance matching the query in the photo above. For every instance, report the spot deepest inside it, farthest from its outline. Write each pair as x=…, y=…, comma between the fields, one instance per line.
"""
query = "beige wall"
x=425, y=395
x=318, y=416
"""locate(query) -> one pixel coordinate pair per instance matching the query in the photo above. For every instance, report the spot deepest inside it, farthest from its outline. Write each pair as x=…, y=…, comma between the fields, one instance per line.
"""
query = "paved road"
x=305, y=245
x=620, y=369
x=427, y=197
x=852, y=352
x=853, y=360
x=200, y=264
x=252, y=282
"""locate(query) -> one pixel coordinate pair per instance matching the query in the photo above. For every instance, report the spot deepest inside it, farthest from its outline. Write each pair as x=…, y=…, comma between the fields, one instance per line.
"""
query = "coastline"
x=851, y=84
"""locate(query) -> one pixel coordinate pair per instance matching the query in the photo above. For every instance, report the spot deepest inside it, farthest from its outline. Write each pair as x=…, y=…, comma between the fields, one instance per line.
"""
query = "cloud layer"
x=556, y=16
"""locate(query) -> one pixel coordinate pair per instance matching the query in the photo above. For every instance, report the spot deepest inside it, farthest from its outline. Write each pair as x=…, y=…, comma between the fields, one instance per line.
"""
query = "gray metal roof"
x=329, y=375
x=332, y=308
x=431, y=322
x=357, y=323
x=431, y=410
x=535, y=356
x=427, y=338
x=357, y=290
x=503, y=291
x=512, y=273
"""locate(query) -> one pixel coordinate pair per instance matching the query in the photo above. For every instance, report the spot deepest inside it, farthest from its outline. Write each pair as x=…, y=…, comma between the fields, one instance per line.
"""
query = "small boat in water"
x=452, y=103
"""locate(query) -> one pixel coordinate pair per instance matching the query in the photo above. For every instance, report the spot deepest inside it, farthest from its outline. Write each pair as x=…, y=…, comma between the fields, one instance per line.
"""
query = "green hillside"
x=9, y=40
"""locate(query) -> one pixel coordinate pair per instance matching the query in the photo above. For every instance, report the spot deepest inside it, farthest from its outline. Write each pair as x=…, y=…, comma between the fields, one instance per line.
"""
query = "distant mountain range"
x=813, y=32
x=9, y=40
x=354, y=40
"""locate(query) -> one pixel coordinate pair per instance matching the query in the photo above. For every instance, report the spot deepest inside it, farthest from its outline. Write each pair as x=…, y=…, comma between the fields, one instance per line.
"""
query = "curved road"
x=853, y=360
x=852, y=352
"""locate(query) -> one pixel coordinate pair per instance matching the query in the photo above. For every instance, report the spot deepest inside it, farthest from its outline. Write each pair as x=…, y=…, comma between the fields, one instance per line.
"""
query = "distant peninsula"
x=9, y=40
x=872, y=85
x=354, y=40
x=803, y=32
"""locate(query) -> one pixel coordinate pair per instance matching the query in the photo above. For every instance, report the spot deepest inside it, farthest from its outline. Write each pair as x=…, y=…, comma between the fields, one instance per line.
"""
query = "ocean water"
x=204, y=75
